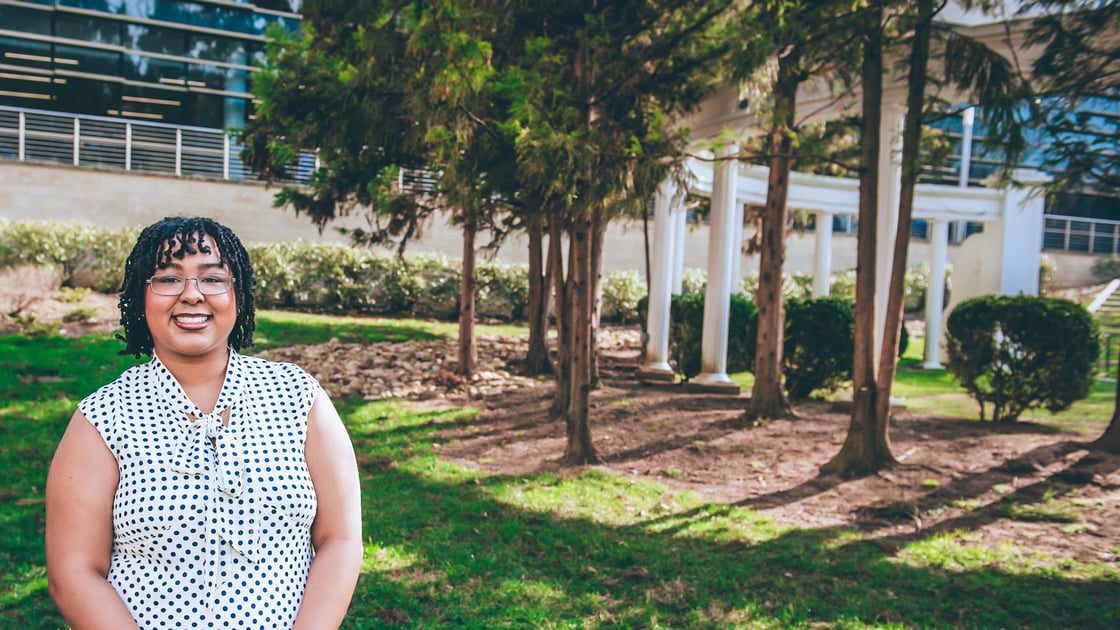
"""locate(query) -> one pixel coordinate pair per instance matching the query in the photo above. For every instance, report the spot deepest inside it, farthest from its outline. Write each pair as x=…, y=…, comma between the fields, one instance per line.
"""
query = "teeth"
x=191, y=319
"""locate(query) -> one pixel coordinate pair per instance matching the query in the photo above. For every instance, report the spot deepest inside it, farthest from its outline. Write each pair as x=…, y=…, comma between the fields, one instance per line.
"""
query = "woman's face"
x=196, y=322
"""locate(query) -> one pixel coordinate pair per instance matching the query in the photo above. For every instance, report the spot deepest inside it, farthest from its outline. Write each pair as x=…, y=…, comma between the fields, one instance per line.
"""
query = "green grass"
x=449, y=546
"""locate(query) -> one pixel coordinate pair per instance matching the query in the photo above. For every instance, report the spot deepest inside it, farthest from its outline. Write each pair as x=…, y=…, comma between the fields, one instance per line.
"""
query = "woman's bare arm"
x=80, y=488
x=337, y=531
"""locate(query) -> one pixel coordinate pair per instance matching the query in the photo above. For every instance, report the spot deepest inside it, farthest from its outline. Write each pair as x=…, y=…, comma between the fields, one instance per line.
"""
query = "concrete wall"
x=112, y=198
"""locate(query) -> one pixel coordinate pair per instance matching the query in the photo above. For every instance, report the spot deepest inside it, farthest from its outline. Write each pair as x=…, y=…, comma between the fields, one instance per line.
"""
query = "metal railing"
x=130, y=145
x=1079, y=234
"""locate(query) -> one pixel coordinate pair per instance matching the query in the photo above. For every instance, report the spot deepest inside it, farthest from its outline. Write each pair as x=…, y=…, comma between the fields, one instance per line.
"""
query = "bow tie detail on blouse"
x=204, y=435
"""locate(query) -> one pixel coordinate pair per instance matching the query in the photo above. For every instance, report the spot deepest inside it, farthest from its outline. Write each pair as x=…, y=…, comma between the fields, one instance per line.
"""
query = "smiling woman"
x=161, y=509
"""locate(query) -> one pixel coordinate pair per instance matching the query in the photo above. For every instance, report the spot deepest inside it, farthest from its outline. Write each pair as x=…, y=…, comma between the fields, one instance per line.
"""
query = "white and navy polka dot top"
x=211, y=523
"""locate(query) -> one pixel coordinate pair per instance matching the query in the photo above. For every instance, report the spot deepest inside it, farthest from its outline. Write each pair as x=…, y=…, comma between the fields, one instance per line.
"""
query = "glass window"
x=26, y=90
x=218, y=48
x=218, y=78
x=291, y=6
x=88, y=29
x=87, y=96
x=155, y=39
x=90, y=60
x=25, y=20
x=151, y=103
x=153, y=70
x=25, y=52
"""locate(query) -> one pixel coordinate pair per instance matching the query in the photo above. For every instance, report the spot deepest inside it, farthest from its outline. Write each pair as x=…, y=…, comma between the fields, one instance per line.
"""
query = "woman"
x=202, y=488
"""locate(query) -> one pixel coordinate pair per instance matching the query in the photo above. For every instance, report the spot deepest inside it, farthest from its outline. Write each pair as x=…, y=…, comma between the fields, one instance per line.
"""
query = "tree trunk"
x=1110, y=440
x=598, y=233
x=468, y=349
x=561, y=400
x=911, y=168
x=579, y=449
x=537, y=360
x=768, y=400
x=866, y=448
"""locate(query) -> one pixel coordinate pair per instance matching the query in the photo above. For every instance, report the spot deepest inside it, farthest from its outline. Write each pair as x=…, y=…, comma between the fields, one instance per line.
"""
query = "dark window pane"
x=218, y=48
x=153, y=70
x=26, y=90
x=24, y=52
x=25, y=20
x=87, y=96
x=88, y=29
x=90, y=60
x=218, y=78
x=152, y=104
x=155, y=39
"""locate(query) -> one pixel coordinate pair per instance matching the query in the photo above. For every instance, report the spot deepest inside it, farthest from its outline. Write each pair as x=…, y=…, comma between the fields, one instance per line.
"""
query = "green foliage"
x=686, y=328
x=623, y=290
x=1106, y=269
x=1022, y=352
x=819, y=344
x=85, y=255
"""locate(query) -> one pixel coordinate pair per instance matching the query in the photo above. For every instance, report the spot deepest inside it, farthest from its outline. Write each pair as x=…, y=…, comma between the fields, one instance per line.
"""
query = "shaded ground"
x=955, y=474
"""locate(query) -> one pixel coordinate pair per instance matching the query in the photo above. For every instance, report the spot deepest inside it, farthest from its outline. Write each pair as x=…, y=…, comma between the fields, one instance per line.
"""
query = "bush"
x=1022, y=352
x=622, y=292
x=818, y=346
x=1106, y=269
x=686, y=329
x=502, y=290
x=84, y=254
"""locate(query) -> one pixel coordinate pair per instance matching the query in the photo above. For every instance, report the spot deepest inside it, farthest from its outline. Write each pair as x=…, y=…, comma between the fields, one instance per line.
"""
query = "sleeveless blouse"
x=211, y=522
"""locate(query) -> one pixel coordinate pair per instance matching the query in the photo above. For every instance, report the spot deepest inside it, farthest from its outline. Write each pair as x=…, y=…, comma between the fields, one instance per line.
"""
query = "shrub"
x=84, y=255
x=1105, y=269
x=818, y=346
x=1022, y=352
x=502, y=290
x=686, y=329
x=622, y=292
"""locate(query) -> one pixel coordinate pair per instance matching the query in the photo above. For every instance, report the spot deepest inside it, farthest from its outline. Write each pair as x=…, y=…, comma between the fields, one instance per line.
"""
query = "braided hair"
x=176, y=237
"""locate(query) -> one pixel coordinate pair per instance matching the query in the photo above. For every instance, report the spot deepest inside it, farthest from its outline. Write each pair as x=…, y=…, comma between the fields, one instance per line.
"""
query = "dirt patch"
x=954, y=474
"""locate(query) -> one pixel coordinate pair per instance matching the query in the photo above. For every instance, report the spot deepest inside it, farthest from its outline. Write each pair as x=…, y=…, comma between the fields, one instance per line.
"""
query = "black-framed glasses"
x=209, y=284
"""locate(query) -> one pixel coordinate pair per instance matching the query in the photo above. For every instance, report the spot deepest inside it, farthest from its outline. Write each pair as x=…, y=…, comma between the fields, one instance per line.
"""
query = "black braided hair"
x=176, y=237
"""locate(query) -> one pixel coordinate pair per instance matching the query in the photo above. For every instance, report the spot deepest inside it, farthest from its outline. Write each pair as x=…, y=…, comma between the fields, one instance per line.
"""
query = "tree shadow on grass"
x=452, y=554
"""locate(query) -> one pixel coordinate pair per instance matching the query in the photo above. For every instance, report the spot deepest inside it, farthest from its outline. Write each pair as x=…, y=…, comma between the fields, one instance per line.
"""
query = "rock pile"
x=424, y=370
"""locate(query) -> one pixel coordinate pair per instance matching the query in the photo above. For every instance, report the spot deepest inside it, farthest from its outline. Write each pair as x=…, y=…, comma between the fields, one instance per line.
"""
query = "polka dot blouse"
x=211, y=522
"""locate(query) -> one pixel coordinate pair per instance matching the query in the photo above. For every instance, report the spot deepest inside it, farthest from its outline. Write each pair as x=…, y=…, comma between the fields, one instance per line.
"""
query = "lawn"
x=450, y=546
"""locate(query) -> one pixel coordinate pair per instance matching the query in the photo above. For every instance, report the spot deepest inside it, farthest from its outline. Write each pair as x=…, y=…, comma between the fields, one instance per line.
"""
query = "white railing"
x=130, y=145
x=1079, y=234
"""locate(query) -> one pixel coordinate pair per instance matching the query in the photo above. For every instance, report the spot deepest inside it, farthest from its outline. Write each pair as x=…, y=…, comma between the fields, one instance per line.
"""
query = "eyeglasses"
x=210, y=284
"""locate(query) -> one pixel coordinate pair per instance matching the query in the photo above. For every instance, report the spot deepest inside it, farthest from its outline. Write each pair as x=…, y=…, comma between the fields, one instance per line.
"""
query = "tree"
x=867, y=446
x=1076, y=79
x=807, y=44
x=600, y=85
x=402, y=94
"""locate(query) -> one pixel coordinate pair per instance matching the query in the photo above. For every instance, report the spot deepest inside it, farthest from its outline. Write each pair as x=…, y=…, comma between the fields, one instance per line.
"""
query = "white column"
x=1021, y=230
x=935, y=292
x=737, y=228
x=680, y=226
x=822, y=255
x=657, y=366
x=77, y=140
x=717, y=299
x=890, y=179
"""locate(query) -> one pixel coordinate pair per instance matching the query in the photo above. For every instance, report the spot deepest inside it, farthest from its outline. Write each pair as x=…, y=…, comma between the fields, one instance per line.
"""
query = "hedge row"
x=335, y=278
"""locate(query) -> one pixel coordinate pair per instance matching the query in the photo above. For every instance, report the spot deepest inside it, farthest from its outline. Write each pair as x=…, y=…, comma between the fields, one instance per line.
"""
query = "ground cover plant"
x=692, y=522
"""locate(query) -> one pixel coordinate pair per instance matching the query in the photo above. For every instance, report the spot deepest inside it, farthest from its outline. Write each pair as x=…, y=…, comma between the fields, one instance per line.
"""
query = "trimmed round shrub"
x=818, y=345
x=1022, y=352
